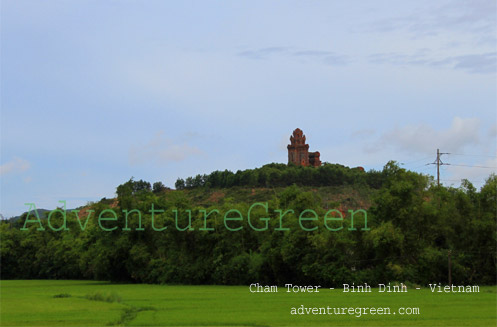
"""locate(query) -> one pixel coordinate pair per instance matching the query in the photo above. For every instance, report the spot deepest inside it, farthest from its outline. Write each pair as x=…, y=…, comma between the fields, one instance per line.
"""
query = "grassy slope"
x=32, y=303
x=347, y=196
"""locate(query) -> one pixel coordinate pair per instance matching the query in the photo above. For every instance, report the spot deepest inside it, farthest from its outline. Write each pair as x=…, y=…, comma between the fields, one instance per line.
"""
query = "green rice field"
x=90, y=303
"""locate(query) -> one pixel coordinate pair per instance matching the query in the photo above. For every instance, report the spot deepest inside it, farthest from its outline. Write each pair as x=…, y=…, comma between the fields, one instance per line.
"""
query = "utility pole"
x=439, y=163
x=438, y=167
x=450, y=267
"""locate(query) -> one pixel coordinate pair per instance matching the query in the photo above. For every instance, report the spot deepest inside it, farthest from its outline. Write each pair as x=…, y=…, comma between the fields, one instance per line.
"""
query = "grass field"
x=87, y=303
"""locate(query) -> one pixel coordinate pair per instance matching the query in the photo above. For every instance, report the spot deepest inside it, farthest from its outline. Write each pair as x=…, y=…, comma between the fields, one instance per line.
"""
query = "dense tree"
x=278, y=175
x=414, y=224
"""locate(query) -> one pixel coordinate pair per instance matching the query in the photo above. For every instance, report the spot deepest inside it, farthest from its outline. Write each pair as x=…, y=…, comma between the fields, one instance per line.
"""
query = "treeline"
x=279, y=175
x=414, y=224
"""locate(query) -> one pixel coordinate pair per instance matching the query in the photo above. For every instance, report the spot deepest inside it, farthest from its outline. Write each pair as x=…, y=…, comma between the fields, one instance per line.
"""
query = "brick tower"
x=298, y=151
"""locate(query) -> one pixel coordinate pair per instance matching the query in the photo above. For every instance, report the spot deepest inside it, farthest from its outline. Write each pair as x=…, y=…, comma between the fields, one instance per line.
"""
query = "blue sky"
x=95, y=92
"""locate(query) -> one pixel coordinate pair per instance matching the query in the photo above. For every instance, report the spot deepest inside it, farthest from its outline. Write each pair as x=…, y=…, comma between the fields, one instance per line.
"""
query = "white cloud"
x=16, y=165
x=423, y=138
x=476, y=63
x=161, y=150
x=475, y=17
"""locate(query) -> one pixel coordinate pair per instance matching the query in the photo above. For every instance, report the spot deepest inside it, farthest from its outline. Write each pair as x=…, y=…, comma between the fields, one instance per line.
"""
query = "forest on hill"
x=277, y=174
x=413, y=225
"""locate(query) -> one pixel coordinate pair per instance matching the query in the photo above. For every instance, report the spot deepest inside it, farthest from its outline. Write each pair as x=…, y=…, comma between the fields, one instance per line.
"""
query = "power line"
x=411, y=162
x=423, y=165
x=460, y=165
x=438, y=162
x=459, y=180
x=473, y=155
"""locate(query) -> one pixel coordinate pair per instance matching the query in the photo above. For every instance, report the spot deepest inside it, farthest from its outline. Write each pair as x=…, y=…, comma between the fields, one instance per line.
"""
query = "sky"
x=96, y=92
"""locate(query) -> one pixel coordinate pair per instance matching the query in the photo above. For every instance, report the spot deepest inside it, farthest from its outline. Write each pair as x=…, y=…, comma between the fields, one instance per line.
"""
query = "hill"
x=201, y=233
x=42, y=213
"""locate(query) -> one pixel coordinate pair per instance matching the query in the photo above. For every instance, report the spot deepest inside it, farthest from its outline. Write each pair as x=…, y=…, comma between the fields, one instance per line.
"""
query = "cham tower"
x=298, y=151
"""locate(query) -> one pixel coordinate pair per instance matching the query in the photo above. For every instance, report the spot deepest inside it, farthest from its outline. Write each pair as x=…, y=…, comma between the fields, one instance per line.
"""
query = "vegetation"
x=414, y=224
x=31, y=303
x=104, y=297
x=277, y=175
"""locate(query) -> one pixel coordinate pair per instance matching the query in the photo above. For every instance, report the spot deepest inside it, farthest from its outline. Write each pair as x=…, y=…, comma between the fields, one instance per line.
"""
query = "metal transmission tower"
x=439, y=163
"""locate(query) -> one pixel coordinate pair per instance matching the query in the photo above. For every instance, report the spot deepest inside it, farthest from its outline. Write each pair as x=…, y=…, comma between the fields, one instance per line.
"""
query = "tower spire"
x=298, y=151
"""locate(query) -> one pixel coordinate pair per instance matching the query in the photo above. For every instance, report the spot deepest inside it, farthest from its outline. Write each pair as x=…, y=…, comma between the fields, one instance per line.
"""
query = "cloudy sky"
x=95, y=92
